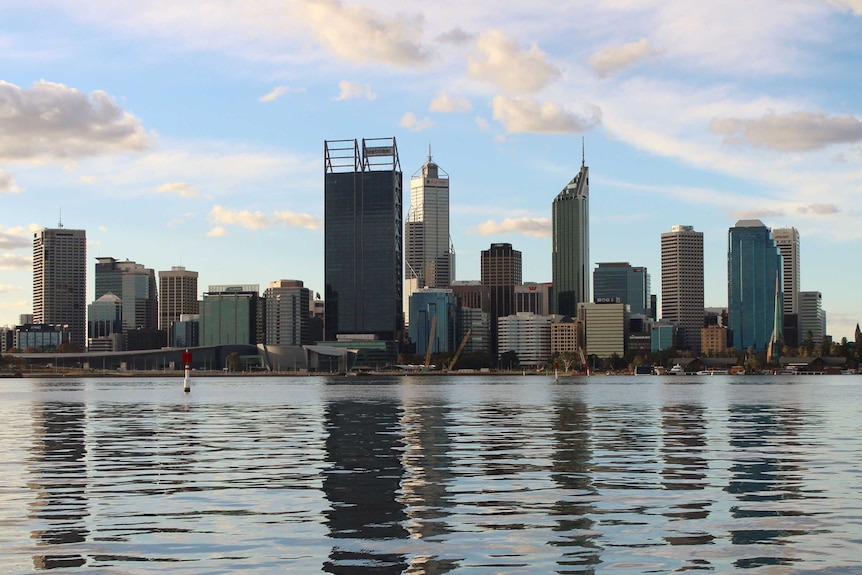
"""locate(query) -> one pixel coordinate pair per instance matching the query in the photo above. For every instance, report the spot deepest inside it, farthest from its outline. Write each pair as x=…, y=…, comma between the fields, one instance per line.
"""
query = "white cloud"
x=296, y=220
x=50, y=121
x=756, y=214
x=4, y=288
x=498, y=60
x=8, y=184
x=791, y=132
x=88, y=179
x=15, y=262
x=217, y=232
x=533, y=227
x=482, y=123
x=181, y=189
x=363, y=35
x=353, y=90
x=613, y=59
x=411, y=122
x=523, y=114
x=16, y=238
x=819, y=209
x=446, y=104
x=854, y=6
x=275, y=94
x=243, y=218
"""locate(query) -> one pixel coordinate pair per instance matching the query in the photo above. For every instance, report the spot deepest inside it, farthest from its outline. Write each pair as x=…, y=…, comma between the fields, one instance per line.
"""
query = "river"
x=431, y=475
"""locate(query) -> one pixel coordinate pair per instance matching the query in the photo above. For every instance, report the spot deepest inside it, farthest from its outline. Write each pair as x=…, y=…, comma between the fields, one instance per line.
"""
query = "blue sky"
x=191, y=133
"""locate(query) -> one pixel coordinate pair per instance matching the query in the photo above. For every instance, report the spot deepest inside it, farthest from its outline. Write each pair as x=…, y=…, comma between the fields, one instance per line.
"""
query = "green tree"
x=234, y=363
x=509, y=360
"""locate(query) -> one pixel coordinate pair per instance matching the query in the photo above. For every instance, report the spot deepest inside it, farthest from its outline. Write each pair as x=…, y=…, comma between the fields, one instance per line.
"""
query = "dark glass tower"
x=571, y=244
x=363, y=267
x=754, y=285
x=501, y=272
x=619, y=281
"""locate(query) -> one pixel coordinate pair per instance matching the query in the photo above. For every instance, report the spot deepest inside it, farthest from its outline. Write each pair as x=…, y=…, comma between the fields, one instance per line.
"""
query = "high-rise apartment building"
x=501, y=272
x=178, y=295
x=287, y=305
x=60, y=280
x=362, y=239
x=682, y=284
x=753, y=285
x=428, y=253
x=812, y=317
x=135, y=285
x=622, y=282
x=570, y=256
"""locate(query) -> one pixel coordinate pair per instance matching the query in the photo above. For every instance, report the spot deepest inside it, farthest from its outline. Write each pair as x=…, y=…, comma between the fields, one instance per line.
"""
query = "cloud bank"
x=521, y=114
x=792, y=132
x=498, y=60
x=533, y=227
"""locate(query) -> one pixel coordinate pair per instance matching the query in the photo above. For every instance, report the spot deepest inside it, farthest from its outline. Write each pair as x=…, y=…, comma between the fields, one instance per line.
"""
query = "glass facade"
x=425, y=305
x=754, y=276
x=229, y=318
x=570, y=256
x=624, y=283
x=363, y=245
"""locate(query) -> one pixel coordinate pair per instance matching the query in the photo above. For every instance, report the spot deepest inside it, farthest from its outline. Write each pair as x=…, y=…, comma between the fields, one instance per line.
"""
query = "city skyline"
x=176, y=140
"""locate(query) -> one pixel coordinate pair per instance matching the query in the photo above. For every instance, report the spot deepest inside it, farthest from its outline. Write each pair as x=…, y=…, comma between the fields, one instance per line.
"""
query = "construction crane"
x=460, y=349
x=430, y=342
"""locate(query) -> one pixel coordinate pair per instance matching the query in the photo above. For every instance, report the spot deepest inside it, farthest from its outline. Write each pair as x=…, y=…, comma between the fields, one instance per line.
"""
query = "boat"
x=713, y=372
x=676, y=370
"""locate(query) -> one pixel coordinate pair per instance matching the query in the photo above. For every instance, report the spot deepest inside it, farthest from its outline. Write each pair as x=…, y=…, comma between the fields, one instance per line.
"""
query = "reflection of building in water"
x=765, y=478
x=571, y=471
x=59, y=476
x=685, y=469
x=427, y=472
x=364, y=448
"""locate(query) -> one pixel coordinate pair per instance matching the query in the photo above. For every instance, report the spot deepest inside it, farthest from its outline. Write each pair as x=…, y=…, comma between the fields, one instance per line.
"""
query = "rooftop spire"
x=583, y=153
x=429, y=152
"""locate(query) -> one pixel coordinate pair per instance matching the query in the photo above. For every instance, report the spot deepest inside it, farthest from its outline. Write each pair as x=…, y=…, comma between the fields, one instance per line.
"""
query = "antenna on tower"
x=583, y=153
x=429, y=152
x=60, y=223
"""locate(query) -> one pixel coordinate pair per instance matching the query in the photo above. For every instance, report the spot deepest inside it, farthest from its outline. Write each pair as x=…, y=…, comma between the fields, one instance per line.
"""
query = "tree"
x=509, y=360
x=234, y=363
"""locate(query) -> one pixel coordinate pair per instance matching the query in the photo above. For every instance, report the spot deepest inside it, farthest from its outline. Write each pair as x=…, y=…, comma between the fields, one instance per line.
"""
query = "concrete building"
x=287, y=313
x=787, y=242
x=565, y=335
x=528, y=335
x=682, y=284
x=812, y=317
x=629, y=285
x=186, y=331
x=534, y=297
x=501, y=272
x=607, y=328
x=753, y=286
x=570, y=241
x=429, y=256
x=105, y=324
x=713, y=339
x=363, y=269
x=60, y=281
x=433, y=320
x=178, y=295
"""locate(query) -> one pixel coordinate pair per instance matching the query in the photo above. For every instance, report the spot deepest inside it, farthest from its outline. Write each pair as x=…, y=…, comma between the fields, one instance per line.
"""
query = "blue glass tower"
x=753, y=276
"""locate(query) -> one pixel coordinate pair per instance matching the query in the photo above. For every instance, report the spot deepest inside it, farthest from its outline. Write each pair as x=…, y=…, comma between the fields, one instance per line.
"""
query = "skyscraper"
x=60, y=280
x=620, y=281
x=501, y=272
x=178, y=294
x=753, y=276
x=135, y=285
x=428, y=252
x=787, y=241
x=287, y=313
x=362, y=239
x=571, y=244
x=682, y=283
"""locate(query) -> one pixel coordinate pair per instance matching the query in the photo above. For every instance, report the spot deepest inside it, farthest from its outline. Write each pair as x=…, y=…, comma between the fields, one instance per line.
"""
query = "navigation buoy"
x=187, y=360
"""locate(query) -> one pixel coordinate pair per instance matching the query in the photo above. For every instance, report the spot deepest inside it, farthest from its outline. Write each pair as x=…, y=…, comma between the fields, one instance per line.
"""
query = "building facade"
x=607, y=328
x=620, y=281
x=682, y=284
x=433, y=320
x=753, y=286
x=287, y=313
x=713, y=339
x=477, y=324
x=812, y=318
x=178, y=295
x=363, y=270
x=135, y=285
x=60, y=281
x=570, y=244
x=105, y=323
x=231, y=314
x=501, y=272
x=528, y=335
x=429, y=256
x=787, y=242
x=534, y=297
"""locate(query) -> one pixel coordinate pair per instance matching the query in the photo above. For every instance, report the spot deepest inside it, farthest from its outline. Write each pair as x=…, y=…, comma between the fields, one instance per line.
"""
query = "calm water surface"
x=432, y=475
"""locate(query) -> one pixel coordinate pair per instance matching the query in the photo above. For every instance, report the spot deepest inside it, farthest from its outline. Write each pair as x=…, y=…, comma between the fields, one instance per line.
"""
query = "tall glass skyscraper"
x=620, y=281
x=753, y=278
x=363, y=257
x=682, y=284
x=571, y=244
x=60, y=280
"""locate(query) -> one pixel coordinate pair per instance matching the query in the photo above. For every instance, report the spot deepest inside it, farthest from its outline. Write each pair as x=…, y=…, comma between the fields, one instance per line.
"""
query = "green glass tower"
x=571, y=244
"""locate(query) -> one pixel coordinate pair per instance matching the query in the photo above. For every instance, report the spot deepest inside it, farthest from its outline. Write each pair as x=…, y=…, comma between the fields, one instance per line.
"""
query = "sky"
x=191, y=133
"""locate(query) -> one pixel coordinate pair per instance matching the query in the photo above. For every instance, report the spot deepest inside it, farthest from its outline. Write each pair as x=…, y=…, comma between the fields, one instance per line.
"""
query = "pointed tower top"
x=583, y=153
x=429, y=153
x=60, y=223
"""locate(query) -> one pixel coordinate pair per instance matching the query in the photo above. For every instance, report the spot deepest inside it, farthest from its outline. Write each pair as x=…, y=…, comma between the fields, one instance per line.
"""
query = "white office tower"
x=787, y=240
x=682, y=283
x=429, y=255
